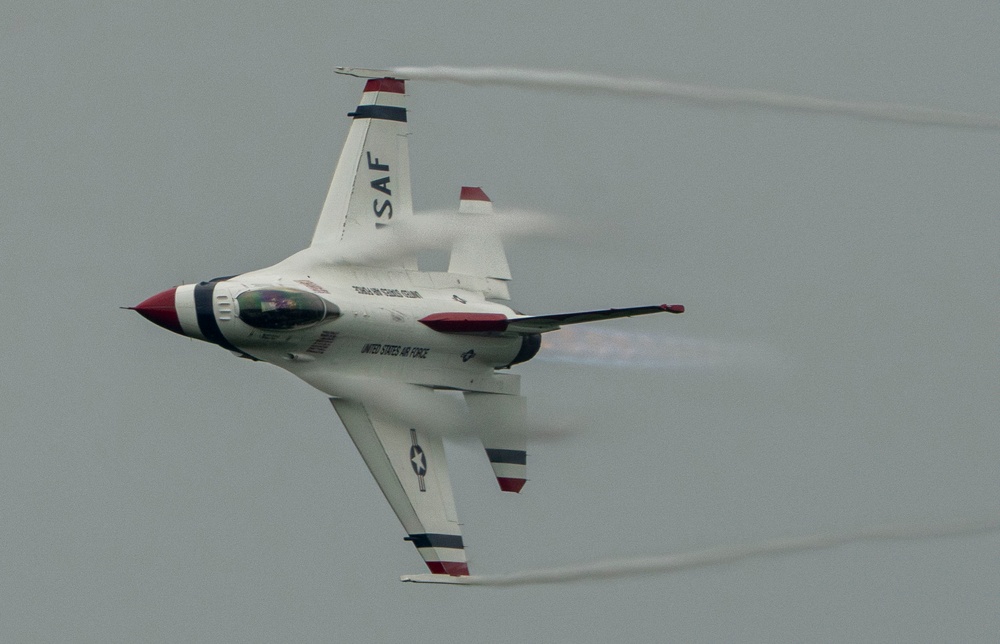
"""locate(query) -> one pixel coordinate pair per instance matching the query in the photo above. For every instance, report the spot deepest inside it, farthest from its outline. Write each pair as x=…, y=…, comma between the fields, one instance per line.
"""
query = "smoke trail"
x=610, y=569
x=701, y=94
x=602, y=347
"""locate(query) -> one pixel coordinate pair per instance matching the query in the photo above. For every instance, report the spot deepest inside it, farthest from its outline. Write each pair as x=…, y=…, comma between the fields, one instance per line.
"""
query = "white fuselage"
x=371, y=327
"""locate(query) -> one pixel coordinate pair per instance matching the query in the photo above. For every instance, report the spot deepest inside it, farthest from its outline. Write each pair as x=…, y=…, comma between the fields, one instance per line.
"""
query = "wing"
x=461, y=322
x=371, y=185
x=409, y=466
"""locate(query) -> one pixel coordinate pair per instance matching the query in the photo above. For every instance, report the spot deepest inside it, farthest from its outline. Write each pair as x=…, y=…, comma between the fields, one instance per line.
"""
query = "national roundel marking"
x=418, y=461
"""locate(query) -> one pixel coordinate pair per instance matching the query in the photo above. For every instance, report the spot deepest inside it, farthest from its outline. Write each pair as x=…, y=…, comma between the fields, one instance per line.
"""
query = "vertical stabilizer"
x=480, y=254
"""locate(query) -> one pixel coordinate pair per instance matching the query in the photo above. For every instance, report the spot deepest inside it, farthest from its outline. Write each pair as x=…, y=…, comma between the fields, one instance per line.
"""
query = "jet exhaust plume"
x=603, y=347
x=700, y=94
x=615, y=568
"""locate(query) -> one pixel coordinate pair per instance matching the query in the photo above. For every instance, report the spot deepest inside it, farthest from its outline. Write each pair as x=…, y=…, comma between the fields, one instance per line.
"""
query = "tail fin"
x=483, y=255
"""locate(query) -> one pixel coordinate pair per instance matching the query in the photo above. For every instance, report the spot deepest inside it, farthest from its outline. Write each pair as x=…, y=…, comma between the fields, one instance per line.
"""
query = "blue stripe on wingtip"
x=430, y=540
x=384, y=112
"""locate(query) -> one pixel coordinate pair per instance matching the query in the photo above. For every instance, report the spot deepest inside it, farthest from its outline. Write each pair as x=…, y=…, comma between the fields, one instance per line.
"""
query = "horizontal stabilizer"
x=500, y=421
x=462, y=322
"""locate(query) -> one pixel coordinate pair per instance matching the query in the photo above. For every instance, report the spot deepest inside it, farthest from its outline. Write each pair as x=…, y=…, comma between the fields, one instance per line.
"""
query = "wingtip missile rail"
x=362, y=72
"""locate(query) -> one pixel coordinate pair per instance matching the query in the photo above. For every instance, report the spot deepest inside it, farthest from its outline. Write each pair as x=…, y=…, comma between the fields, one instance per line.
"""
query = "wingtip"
x=672, y=308
x=434, y=579
x=361, y=72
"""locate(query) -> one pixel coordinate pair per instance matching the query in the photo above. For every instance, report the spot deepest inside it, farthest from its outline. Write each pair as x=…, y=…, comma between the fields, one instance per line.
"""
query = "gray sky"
x=159, y=489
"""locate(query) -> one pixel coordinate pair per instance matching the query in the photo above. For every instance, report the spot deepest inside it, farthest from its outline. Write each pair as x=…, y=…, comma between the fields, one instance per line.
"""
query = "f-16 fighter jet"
x=358, y=321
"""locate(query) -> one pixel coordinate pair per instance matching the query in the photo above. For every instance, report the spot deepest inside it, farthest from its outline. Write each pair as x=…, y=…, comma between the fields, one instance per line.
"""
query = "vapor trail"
x=428, y=230
x=702, y=94
x=610, y=569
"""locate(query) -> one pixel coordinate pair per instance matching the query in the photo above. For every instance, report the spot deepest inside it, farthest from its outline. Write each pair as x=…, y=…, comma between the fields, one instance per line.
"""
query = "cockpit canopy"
x=283, y=309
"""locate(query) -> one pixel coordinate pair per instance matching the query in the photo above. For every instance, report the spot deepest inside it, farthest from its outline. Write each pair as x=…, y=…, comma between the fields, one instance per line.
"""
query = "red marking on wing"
x=391, y=85
x=672, y=308
x=466, y=322
x=453, y=568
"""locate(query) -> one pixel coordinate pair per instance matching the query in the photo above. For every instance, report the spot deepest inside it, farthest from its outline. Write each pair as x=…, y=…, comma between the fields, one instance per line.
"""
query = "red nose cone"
x=160, y=310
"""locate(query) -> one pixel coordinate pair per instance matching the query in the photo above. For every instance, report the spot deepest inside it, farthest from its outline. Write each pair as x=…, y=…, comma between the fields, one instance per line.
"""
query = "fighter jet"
x=354, y=317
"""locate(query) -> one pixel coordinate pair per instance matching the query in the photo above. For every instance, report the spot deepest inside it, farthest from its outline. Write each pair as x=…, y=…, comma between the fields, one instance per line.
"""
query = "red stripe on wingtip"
x=672, y=308
x=473, y=194
x=452, y=568
x=510, y=484
x=391, y=85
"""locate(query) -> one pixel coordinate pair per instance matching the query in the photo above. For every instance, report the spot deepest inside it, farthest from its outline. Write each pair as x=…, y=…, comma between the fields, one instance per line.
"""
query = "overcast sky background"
x=159, y=489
